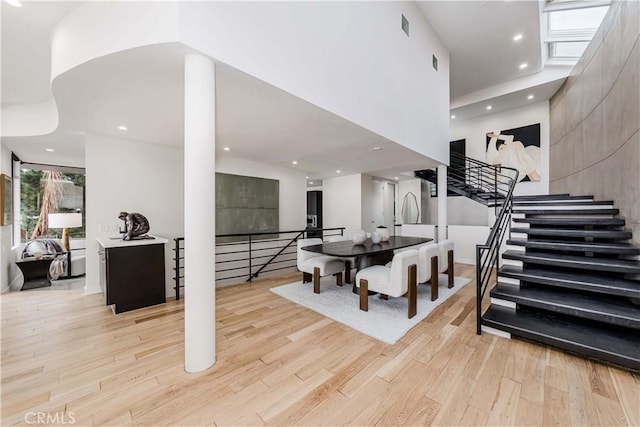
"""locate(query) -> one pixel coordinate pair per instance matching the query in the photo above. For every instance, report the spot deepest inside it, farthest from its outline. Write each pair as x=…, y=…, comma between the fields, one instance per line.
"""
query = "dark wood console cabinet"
x=132, y=277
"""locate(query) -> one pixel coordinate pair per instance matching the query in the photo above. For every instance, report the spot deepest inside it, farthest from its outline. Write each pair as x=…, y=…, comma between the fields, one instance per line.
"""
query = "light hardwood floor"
x=68, y=356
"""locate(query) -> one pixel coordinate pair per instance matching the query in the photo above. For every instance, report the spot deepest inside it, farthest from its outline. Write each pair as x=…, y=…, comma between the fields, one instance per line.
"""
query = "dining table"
x=367, y=253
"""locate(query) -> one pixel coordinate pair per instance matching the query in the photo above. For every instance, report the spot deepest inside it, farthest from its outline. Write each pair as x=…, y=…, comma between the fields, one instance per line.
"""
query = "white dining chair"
x=396, y=281
x=428, y=267
x=314, y=265
x=349, y=263
x=445, y=260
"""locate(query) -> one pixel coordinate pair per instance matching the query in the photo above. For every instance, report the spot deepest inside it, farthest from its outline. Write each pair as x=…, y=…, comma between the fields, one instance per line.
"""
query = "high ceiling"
x=143, y=90
x=479, y=38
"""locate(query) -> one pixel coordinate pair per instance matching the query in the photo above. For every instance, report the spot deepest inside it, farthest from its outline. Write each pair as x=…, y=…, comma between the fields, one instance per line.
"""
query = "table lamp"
x=65, y=221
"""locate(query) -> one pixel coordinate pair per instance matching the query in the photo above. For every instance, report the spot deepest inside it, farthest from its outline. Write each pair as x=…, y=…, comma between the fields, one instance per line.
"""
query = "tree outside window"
x=43, y=192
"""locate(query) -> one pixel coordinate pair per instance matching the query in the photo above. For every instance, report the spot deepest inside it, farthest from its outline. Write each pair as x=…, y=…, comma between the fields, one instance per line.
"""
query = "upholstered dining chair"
x=349, y=263
x=445, y=260
x=398, y=280
x=314, y=265
x=428, y=267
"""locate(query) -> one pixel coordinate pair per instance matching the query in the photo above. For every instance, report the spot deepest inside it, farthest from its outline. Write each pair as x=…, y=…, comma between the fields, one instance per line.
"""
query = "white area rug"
x=385, y=321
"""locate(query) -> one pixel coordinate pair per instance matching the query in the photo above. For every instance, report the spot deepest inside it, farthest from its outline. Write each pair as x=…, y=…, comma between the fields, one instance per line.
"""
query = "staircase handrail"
x=488, y=255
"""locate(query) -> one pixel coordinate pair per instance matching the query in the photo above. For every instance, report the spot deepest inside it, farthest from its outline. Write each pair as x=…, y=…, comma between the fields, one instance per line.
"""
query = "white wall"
x=132, y=176
x=371, y=206
x=350, y=58
x=475, y=130
x=342, y=202
x=6, y=257
x=293, y=187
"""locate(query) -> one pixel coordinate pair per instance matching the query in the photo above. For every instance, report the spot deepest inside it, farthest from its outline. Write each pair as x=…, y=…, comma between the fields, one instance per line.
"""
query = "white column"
x=442, y=203
x=199, y=213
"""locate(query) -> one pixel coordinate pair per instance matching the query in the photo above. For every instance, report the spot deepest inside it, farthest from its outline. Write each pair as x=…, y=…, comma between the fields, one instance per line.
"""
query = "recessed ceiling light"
x=396, y=178
x=530, y=96
x=227, y=149
x=306, y=177
x=51, y=150
x=311, y=182
x=489, y=107
x=453, y=116
x=295, y=162
x=123, y=128
x=377, y=148
x=523, y=65
x=338, y=171
x=15, y=3
x=517, y=37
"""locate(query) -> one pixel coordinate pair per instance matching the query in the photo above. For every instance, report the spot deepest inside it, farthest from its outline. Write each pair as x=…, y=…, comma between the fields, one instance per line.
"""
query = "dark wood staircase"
x=570, y=278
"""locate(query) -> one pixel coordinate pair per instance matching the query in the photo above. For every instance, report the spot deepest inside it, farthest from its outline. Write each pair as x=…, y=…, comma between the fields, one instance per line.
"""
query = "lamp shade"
x=65, y=220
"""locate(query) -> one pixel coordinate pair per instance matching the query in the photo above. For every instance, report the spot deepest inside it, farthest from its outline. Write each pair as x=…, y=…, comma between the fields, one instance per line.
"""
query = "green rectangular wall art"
x=246, y=204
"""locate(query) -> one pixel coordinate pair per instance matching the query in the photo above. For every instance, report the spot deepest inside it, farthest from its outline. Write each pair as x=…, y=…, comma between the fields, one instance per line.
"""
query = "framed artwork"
x=6, y=195
x=517, y=148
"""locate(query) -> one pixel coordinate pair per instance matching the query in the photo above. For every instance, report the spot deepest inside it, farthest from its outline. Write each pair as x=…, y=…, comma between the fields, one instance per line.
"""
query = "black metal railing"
x=488, y=255
x=247, y=255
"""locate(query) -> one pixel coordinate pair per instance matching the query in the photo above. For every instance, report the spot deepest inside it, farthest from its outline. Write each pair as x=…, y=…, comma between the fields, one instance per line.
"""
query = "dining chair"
x=398, y=280
x=428, y=268
x=314, y=265
x=349, y=263
x=445, y=260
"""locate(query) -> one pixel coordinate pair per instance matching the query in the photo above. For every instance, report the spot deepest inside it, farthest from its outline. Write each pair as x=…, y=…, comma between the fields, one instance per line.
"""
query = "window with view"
x=50, y=191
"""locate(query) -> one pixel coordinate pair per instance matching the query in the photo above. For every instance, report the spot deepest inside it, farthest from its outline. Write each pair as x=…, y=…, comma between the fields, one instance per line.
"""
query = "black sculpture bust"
x=136, y=226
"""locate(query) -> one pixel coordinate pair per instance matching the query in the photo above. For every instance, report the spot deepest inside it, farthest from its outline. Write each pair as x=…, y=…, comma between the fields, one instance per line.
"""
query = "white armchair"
x=445, y=260
x=349, y=263
x=398, y=280
x=314, y=265
x=428, y=267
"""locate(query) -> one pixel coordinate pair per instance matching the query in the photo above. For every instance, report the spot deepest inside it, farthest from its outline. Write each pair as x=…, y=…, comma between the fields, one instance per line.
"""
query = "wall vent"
x=405, y=25
x=435, y=62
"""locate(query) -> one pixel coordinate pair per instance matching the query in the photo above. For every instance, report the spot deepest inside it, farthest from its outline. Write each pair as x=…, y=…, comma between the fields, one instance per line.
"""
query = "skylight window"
x=571, y=26
x=577, y=20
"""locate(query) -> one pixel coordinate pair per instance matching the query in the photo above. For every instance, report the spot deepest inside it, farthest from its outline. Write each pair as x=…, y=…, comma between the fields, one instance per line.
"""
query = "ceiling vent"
x=405, y=25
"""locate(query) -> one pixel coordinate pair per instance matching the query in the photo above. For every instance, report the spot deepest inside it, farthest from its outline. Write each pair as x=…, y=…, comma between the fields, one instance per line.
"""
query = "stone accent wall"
x=595, y=118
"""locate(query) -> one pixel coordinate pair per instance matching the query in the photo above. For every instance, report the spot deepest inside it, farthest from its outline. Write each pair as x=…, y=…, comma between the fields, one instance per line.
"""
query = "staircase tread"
x=573, y=232
x=560, y=196
x=567, y=211
x=588, y=282
x=571, y=301
x=566, y=260
x=623, y=248
x=581, y=202
x=572, y=221
x=613, y=344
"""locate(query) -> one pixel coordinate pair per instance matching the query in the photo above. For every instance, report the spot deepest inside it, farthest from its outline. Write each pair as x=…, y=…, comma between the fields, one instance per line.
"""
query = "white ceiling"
x=479, y=38
x=143, y=90
x=26, y=54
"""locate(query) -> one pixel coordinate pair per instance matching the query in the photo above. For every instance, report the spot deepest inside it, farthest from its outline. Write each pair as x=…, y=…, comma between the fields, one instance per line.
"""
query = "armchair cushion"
x=443, y=259
x=393, y=281
x=328, y=265
x=424, y=261
x=303, y=255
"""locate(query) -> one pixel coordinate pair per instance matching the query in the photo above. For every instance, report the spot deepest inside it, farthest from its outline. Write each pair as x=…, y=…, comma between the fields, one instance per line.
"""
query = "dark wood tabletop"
x=347, y=248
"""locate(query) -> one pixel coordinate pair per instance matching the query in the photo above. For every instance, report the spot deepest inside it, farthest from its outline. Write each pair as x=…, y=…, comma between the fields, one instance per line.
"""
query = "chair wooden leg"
x=338, y=279
x=306, y=277
x=347, y=271
x=450, y=268
x=434, y=278
x=413, y=290
x=384, y=297
x=364, y=295
x=316, y=280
